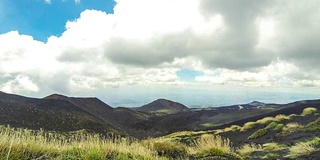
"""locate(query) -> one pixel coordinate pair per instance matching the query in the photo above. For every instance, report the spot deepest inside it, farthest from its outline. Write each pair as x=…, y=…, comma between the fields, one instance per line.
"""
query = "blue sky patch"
x=188, y=75
x=40, y=19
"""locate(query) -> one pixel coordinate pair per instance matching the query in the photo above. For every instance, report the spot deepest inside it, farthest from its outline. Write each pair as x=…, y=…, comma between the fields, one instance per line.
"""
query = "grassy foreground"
x=18, y=143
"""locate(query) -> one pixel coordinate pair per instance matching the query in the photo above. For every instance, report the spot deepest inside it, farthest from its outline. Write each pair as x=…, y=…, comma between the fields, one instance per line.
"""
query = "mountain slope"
x=163, y=106
x=49, y=114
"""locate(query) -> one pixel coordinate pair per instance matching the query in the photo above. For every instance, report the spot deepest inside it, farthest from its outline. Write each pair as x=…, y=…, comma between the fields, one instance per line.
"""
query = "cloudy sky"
x=205, y=52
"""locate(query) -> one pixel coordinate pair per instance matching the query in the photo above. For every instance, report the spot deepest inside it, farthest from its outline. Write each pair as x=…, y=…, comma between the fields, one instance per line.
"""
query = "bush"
x=170, y=149
x=273, y=147
x=281, y=117
x=309, y=110
x=291, y=128
x=278, y=127
x=266, y=120
x=313, y=126
x=94, y=155
x=301, y=149
x=210, y=152
x=247, y=149
x=258, y=133
x=247, y=126
x=272, y=125
x=271, y=156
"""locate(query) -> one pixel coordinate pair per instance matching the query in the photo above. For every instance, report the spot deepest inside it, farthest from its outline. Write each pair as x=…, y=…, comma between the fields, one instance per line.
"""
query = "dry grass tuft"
x=266, y=120
x=281, y=117
x=291, y=128
x=247, y=126
x=273, y=147
x=301, y=149
x=247, y=149
x=309, y=110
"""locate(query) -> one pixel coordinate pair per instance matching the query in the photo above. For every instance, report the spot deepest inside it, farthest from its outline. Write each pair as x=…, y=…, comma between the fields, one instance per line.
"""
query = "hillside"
x=19, y=111
x=163, y=106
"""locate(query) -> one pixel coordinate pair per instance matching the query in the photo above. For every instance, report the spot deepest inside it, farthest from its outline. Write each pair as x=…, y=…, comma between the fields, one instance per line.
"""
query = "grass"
x=259, y=133
x=290, y=128
x=213, y=145
x=266, y=120
x=247, y=126
x=247, y=149
x=271, y=156
x=313, y=126
x=207, y=124
x=29, y=144
x=278, y=127
x=281, y=117
x=301, y=149
x=309, y=110
x=272, y=146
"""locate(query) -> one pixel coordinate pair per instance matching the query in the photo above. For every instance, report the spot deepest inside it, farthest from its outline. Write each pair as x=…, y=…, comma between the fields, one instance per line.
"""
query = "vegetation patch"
x=259, y=133
x=272, y=125
x=313, y=126
x=302, y=149
x=247, y=149
x=309, y=110
x=273, y=147
x=271, y=156
x=266, y=120
x=207, y=124
x=291, y=128
x=247, y=126
x=281, y=117
x=278, y=127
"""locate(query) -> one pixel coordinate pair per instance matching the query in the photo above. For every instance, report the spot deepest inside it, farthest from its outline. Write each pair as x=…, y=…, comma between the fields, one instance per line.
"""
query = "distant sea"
x=207, y=97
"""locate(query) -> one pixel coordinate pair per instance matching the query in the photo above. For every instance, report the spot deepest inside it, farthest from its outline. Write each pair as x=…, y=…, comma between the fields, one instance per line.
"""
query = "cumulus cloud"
x=251, y=43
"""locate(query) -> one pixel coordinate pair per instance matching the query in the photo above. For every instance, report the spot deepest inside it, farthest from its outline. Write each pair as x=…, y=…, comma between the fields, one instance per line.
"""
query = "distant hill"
x=160, y=117
x=163, y=106
x=49, y=114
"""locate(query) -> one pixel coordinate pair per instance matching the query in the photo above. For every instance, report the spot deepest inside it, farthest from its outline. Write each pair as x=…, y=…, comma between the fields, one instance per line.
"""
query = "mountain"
x=163, y=106
x=160, y=117
x=49, y=114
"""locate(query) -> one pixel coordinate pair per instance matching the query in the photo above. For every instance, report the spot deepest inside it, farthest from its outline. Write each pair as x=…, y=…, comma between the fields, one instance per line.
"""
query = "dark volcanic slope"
x=49, y=114
x=164, y=106
x=286, y=109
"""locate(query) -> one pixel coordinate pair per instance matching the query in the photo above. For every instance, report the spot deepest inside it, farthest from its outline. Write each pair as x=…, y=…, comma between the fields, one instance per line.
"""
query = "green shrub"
x=291, y=128
x=94, y=155
x=313, y=126
x=271, y=156
x=272, y=125
x=210, y=152
x=258, y=133
x=278, y=127
x=170, y=149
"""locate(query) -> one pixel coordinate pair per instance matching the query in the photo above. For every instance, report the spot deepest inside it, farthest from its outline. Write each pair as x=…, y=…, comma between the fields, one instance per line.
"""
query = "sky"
x=130, y=52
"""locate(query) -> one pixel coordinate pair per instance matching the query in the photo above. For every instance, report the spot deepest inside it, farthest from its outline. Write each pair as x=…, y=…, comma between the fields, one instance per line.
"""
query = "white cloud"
x=148, y=41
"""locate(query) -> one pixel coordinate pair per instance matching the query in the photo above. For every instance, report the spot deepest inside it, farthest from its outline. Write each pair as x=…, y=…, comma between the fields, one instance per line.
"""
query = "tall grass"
x=29, y=144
